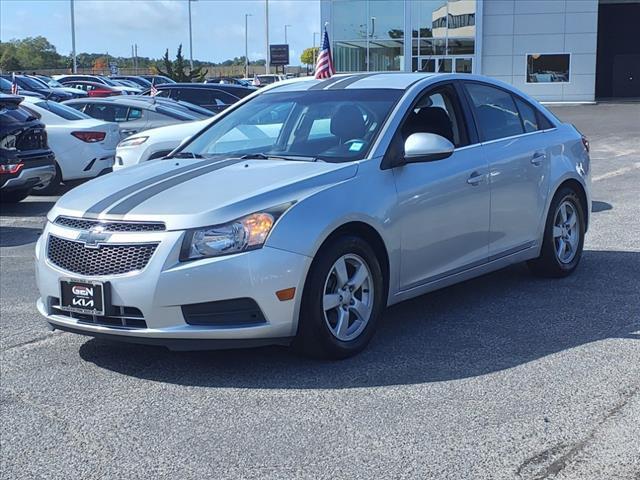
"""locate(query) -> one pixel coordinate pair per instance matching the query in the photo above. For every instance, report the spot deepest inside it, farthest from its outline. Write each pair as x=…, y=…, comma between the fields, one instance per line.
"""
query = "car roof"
x=122, y=100
x=214, y=86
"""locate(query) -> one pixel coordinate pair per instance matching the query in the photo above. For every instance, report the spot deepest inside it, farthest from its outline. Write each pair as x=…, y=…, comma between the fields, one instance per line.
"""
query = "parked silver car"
x=304, y=210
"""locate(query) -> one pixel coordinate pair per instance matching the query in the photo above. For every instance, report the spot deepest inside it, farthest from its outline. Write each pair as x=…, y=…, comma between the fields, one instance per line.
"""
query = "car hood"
x=176, y=132
x=194, y=193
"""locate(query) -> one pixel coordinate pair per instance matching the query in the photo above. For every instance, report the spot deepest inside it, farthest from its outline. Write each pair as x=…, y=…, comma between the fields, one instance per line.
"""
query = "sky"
x=112, y=26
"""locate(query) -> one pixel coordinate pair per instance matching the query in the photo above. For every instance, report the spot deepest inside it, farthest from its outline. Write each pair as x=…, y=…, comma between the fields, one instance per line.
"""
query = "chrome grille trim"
x=108, y=259
x=112, y=226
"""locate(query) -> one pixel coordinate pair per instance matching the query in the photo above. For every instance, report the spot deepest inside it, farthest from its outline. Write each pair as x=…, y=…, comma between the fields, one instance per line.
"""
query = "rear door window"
x=528, y=115
x=495, y=112
x=108, y=113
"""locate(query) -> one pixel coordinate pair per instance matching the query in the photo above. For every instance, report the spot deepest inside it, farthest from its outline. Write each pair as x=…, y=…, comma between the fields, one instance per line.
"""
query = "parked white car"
x=84, y=147
x=154, y=143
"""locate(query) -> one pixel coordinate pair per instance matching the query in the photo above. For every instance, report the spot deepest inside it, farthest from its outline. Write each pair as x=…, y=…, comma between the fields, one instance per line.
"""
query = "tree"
x=176, y=70
x=309, y=55
x=8, y=59
x=100, y=63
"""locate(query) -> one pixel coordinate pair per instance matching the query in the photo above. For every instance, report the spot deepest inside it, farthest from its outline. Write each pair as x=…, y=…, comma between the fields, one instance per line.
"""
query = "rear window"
x=170, y=112
x=63, y=111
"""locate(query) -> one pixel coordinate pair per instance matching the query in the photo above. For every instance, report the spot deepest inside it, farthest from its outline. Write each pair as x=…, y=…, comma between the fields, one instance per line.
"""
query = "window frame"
x=526, y=68
x=396, y=145
x=545, y=123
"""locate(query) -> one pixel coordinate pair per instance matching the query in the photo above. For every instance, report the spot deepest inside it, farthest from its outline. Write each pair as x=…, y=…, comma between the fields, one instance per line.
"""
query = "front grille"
x=85, y=224
x=123, y=317
x=105, y=260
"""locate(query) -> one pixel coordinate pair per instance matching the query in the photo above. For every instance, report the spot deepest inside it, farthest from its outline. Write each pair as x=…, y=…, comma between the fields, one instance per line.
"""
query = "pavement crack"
x=39, y=339
x=562, y=454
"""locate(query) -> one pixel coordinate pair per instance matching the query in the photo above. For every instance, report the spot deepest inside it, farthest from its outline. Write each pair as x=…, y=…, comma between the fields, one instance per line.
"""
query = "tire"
x=319, y=332
x=14, y=196
x=54, y=186
x=554, y=261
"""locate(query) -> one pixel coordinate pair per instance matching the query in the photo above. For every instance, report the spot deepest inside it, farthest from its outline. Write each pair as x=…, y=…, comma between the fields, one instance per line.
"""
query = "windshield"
x=330, y=125
x=63, y=111
x=51, y=82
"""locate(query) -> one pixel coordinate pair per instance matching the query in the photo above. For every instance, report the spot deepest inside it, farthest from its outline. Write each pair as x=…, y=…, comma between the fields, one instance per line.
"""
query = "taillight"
x=90, y=137
x=11, y=168
x=585, y=142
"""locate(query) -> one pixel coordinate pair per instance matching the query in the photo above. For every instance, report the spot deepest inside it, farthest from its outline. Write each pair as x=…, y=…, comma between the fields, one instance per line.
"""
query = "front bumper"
x=29, y=177
x=161, y=289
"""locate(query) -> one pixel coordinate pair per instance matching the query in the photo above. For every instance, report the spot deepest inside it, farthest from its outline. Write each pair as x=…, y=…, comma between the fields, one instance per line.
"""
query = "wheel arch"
x=577, y=187
x=371, y=236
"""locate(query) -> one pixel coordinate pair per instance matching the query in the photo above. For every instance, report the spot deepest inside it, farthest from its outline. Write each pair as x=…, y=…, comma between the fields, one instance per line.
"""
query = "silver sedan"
x=304, y=210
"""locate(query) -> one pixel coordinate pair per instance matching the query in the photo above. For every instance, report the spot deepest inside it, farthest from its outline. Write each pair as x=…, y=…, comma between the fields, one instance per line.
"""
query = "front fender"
x=366, y=198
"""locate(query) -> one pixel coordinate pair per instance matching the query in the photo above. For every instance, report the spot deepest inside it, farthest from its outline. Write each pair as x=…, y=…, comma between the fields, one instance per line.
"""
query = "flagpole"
x=73, y=39
x=266, y=16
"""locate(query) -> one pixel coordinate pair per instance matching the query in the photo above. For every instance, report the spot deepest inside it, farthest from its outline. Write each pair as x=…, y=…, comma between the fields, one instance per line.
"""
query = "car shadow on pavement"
x=597, y=206
x=17, y=236
x=26, y=208
x=485, y=325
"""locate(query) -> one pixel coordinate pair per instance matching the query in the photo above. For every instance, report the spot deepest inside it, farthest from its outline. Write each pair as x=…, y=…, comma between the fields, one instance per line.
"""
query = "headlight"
x=132, y=142
x=246, y=233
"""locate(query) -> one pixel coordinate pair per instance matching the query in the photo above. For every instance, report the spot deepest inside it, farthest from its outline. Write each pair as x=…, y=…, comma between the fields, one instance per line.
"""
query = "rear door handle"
x=475, y=178
x=538, y=157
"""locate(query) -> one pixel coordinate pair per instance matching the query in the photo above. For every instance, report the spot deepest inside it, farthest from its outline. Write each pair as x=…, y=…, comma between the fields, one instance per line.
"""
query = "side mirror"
x=426, y=147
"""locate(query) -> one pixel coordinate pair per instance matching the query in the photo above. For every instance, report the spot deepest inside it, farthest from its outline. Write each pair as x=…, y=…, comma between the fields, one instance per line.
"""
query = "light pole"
x=246, y=45
x=190, y=37
x=314, y=48
x=266, y=20
x=285, y=33
x=73, y=39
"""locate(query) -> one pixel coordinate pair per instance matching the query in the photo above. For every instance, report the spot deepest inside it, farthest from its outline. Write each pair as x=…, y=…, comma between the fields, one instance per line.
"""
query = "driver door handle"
x=475, y=178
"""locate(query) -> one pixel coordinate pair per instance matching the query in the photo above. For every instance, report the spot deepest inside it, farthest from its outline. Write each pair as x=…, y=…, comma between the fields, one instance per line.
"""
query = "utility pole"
x=266, y=16
x=136, y=56
x=246, y=45
x=73, y=39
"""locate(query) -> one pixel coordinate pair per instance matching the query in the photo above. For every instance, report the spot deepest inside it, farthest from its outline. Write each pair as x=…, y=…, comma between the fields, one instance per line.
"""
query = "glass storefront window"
x=445, y=65
x=548, y=68
x=368, y=35
x=464, y=65
x=460, y=46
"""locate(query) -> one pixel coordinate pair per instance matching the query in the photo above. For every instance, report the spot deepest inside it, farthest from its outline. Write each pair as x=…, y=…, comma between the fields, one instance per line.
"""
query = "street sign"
x=279, y=54
x=113, y=68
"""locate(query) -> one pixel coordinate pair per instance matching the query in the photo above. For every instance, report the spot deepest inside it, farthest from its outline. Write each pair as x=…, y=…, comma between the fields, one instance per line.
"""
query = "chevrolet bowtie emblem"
x=94, y=237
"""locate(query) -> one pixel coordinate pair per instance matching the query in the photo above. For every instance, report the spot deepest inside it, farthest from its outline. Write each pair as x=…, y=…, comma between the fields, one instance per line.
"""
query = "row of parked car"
x=59, y=132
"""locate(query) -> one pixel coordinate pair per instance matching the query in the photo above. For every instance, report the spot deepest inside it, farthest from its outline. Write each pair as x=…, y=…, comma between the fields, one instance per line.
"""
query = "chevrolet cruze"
x=304, y=210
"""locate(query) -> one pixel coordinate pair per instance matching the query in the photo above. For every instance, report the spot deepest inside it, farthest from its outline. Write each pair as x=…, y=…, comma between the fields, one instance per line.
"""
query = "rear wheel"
x=563, y=236
x=342, y=300
x=14, y=196
x=53, y=188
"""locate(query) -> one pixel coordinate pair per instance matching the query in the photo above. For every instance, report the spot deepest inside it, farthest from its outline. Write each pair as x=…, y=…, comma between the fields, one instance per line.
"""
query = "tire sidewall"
x=314, y=336
x=565, y=194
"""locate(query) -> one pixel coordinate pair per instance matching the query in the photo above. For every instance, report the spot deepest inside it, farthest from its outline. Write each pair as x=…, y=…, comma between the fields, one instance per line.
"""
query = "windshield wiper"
x=186, y=155
x=266, y=156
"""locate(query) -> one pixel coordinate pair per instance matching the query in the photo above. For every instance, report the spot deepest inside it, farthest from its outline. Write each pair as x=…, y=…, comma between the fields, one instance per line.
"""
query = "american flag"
x=256, y=81
x=14, y=85
x=154, y=91
x=324, y=65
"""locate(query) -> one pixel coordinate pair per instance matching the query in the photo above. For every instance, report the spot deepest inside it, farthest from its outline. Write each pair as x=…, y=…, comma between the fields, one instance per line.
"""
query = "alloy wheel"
x=566, y=232
x=348, y=297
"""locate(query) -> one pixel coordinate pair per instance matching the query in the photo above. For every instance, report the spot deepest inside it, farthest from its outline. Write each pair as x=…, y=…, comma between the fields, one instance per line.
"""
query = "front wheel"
x=342, y=300
x=563, y=236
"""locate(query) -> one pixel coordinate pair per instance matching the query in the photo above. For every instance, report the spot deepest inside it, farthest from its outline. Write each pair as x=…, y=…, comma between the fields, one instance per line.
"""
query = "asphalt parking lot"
x=506, y=376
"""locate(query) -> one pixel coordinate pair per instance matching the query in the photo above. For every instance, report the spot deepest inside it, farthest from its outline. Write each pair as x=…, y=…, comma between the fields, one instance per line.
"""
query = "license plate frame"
x=89, y=297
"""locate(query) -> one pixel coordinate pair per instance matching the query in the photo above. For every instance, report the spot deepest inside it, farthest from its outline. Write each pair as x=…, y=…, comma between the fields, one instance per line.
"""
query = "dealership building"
x=555, y=50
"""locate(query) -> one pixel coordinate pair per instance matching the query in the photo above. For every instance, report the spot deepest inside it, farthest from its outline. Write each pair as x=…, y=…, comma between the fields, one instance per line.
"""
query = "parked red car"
x=94, y=89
